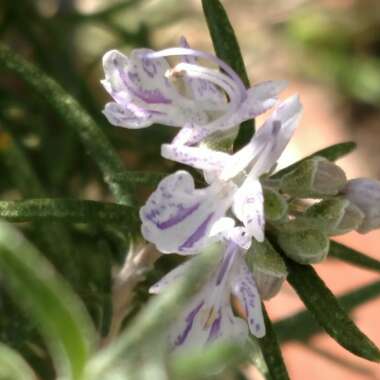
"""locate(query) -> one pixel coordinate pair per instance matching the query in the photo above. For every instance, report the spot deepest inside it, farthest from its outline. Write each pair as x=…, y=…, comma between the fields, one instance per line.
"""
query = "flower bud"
x=268, y=268
x=365, y=194
x=314, y=178
x=302, y=241
x=337, y=215
x=275, y=205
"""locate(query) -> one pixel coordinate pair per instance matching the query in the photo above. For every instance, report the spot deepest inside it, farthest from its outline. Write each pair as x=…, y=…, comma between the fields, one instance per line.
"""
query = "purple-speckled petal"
x=277, y=130
x=140, y=83
x=208, y=317
x=198, y=157
x=248, y=206
x=189, y=321
x=208, y=95
x=224, y=269
x=240, y=236
x=245, y=289
x=190, y=135
x=170, y=278
x=129, y=116
x=178, y=218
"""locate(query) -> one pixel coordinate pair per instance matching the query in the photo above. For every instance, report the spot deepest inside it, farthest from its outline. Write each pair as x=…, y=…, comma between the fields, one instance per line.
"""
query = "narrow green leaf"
x=272, y=352
x=73, y=115
x=37, y=289
x=332, y=153
x=13, y=366
x=302, y=325
x=145, y=178
x=67, y=210
x=328, y=312
x=227, y=48
x=351, y=256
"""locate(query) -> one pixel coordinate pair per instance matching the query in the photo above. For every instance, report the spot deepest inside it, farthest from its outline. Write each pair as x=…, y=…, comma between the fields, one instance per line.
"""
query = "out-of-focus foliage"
x=340, y=45
x=74, y=185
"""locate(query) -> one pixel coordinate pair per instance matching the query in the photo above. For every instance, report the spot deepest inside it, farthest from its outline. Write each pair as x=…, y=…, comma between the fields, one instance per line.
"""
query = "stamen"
x=210, y=75
x=181, y=51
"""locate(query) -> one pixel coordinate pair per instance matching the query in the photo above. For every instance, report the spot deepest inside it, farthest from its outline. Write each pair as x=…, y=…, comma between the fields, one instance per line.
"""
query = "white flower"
x=208, y=316
x=179, y=218
x=144, y=91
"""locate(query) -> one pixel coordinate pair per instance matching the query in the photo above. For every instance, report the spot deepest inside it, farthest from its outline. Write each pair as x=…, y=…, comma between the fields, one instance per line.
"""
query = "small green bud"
x=302, y=241
x=275, y=205
x=314, y=178
x=337, y=215
x=268, y=268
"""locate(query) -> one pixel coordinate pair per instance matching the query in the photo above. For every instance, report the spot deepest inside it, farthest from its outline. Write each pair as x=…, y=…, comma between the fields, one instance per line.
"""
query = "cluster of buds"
x=240, y=201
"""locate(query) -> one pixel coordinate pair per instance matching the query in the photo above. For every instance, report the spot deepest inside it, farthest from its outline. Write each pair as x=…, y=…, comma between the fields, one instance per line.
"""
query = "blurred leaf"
x=321, y=302
x=332, y=153
x=302, y=325
x=272, y=352
x=35, y=286
x=146, y=178
x=13, y=366
x=351, y=256
x=152, y=322
x=227, y=49
x=72, y=113
x=198, y=364
x=68, y=210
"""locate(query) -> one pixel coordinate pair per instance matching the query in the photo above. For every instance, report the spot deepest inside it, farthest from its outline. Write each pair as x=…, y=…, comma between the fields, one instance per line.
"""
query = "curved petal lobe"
x=178, y=218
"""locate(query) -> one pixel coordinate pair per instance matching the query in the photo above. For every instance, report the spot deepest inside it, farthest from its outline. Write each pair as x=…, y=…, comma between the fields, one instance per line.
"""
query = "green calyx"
x=303, y=241
x=275, y=205
x=314, y=178
x=337, y=215
x=268, y=268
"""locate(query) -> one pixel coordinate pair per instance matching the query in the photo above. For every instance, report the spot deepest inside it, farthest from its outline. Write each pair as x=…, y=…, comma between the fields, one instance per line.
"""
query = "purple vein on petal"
x=197, y=234
x=189, y=324
x=226, y=263
x=215, y=327
x=182, y=214
x=148, y=96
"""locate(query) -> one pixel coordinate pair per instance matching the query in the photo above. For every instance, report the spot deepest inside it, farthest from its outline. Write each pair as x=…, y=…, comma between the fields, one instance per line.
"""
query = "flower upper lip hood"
x=144, y=93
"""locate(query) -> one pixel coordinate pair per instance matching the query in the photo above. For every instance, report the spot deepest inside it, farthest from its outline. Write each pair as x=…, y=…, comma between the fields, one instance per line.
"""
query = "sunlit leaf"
x=321, y=302
x=351, y=256
x=302, y=325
